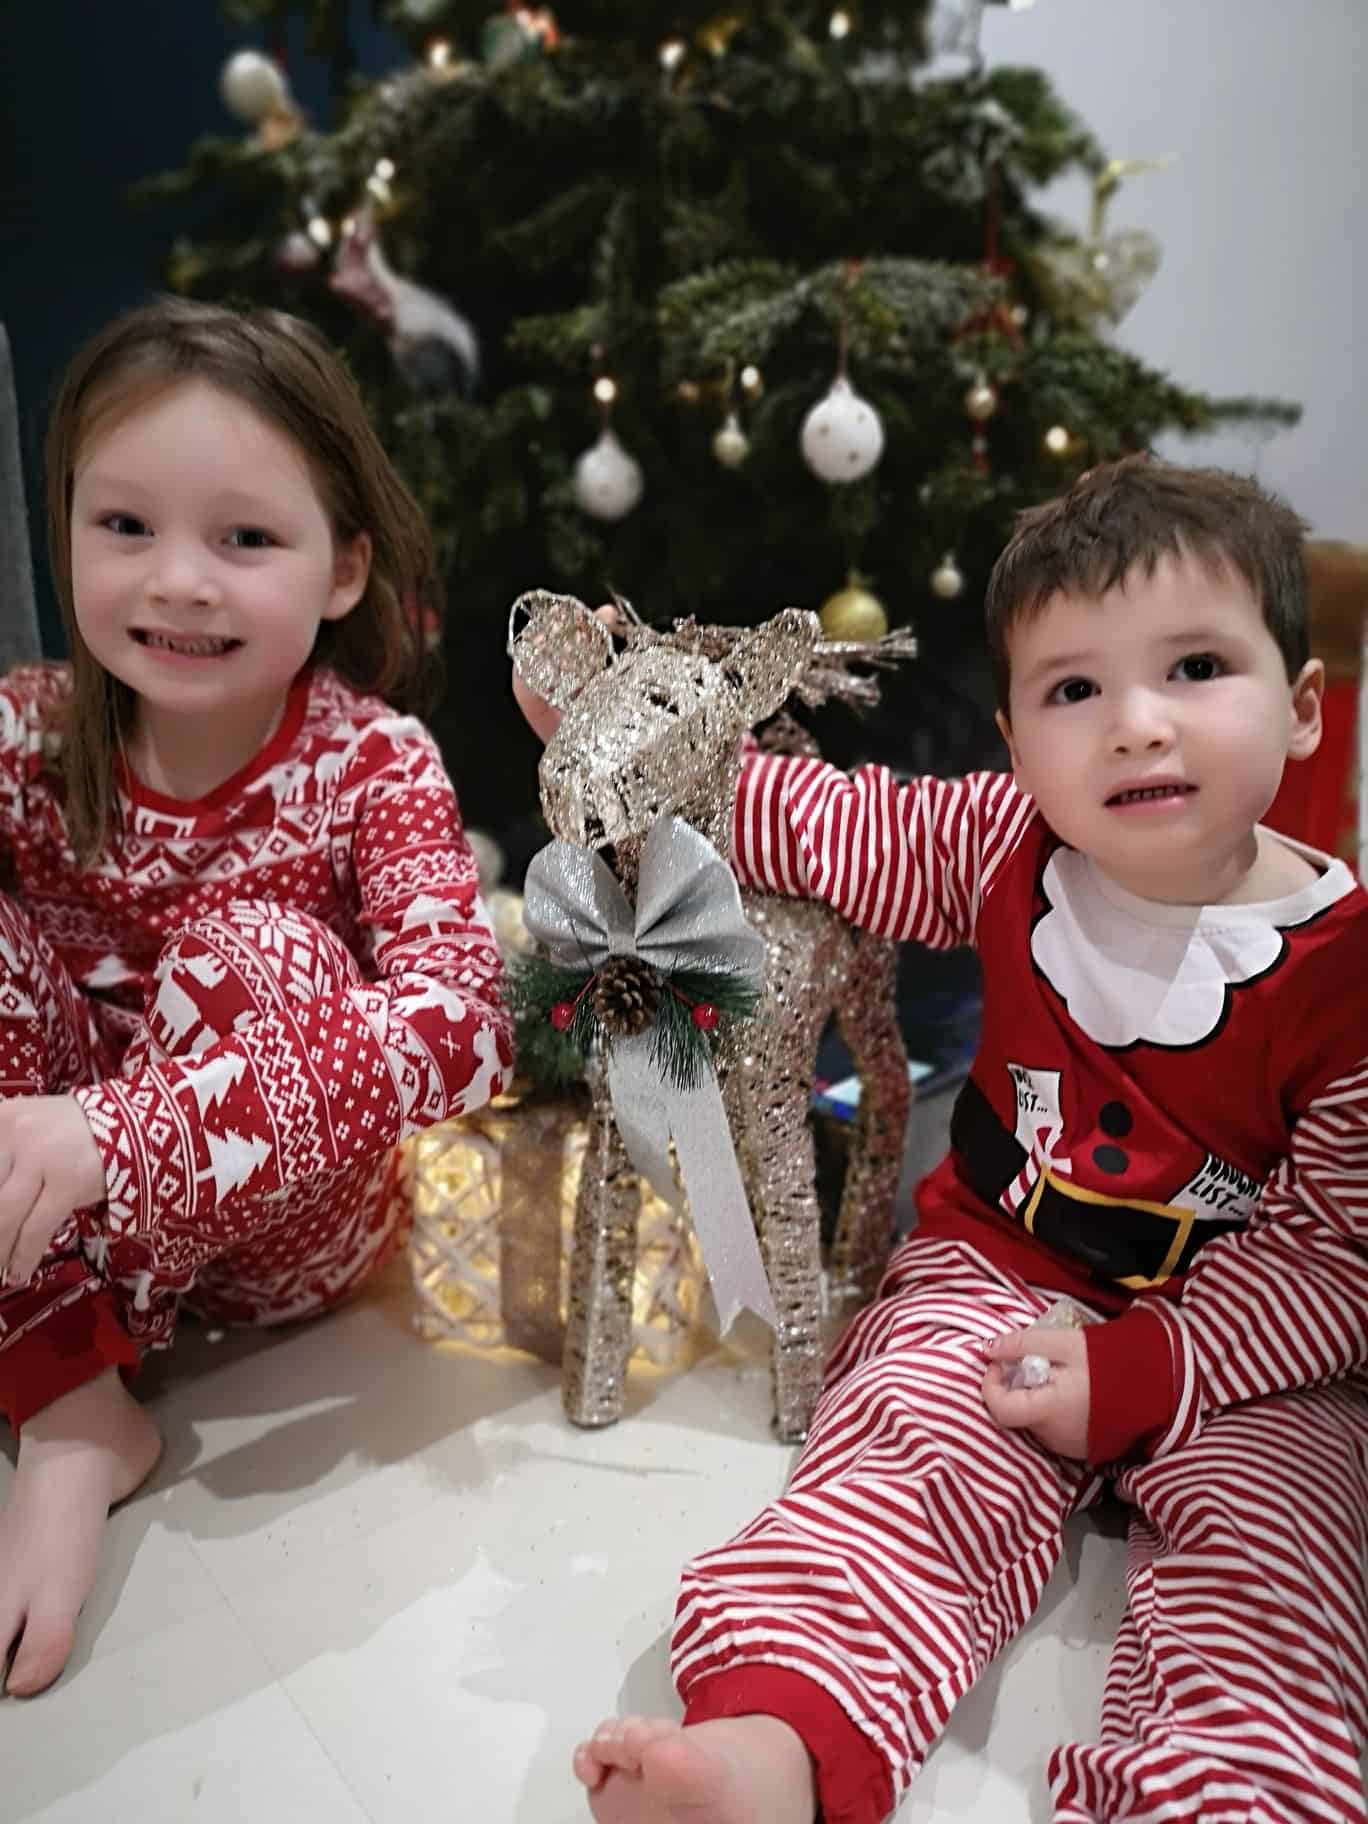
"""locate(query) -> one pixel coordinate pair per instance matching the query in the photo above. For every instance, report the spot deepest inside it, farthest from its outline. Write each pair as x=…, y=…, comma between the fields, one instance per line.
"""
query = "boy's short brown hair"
x=1129, y=514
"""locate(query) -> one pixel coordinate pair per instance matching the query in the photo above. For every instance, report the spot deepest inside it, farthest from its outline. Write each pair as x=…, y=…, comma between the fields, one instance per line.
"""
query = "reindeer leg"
x=779, y=1165
x=530, y=1238
x=866, y=1014
x=767, y=1092
x=598, y=1332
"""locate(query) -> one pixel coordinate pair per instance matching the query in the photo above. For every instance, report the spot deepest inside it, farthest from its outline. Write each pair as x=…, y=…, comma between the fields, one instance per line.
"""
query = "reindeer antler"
x=828, y=679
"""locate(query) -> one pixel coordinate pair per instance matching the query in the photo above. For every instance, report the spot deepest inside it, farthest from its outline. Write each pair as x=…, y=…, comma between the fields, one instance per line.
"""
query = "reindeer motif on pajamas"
x=654, y=730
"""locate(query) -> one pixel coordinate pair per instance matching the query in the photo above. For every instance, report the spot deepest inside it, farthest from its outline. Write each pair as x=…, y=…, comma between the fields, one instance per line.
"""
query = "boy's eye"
x=124, y=525
x=250, y=538
x=1072, y=690
x=1199, y=667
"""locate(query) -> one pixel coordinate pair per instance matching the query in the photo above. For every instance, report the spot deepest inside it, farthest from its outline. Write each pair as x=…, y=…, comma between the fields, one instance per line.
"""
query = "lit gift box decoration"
x=492, y=1202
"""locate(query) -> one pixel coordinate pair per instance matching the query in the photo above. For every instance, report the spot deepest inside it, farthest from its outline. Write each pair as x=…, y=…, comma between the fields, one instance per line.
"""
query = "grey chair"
x=19, y=639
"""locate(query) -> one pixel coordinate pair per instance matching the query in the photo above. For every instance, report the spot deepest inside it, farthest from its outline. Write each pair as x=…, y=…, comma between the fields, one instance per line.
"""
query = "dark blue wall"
x=95, y=94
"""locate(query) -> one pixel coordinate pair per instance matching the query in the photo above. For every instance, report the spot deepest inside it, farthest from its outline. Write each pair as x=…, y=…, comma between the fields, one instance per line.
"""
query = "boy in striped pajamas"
x=1167, y=1126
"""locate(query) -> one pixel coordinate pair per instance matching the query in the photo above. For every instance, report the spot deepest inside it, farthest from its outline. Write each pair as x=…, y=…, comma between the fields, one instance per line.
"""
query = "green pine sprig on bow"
x=561, y=1015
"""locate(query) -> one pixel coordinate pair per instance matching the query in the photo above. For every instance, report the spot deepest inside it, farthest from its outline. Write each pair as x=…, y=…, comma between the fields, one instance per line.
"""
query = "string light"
x=1057, y=440
x=839, y=26
x=751, y=379
x=605, y=390
x=320, y=231
x=672, y=54
x=439, y=54
x=384, y=169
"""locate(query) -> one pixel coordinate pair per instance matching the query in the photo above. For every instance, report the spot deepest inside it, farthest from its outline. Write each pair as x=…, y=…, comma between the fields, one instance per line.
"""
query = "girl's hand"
x=1056, y=1415
x=49, y=1166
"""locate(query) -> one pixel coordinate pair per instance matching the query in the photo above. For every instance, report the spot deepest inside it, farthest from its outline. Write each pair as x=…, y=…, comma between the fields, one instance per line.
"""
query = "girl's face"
x=203, y=561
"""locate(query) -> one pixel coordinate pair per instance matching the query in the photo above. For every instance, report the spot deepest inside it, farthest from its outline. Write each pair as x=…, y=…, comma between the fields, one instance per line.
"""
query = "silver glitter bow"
x=688, y=916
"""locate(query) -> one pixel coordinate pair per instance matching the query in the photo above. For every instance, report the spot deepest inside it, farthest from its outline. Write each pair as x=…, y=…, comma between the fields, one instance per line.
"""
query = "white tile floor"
x=374, y=1579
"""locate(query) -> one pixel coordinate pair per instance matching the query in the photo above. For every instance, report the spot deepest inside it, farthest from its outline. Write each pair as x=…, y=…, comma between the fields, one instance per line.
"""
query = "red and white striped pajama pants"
x=915, y=1539
x=99, y=1300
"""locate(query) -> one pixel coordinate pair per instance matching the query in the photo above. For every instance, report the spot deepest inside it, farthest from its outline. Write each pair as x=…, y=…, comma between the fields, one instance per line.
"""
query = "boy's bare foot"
x=77, y=1458
x=737, y=1770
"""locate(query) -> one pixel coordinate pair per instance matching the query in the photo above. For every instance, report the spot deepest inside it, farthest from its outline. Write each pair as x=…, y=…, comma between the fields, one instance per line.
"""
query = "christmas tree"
x=722, y=311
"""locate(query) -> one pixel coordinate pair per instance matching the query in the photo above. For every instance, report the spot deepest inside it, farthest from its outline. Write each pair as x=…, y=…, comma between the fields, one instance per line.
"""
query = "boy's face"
x=1151, y=725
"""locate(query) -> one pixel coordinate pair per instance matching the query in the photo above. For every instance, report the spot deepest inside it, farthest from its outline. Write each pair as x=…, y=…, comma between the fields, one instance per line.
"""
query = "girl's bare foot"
x=77, y=1458
x=737, y=1770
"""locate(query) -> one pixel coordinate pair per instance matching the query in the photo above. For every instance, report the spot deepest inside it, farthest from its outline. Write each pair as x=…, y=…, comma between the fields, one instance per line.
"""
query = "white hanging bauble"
x=947, y=579
x=842, y=435
x=608, y=481
x=252, y=86
x=731, y=446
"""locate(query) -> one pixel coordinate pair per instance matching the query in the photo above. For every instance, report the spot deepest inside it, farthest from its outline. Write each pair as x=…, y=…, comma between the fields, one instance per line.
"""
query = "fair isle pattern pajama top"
x=254, y=997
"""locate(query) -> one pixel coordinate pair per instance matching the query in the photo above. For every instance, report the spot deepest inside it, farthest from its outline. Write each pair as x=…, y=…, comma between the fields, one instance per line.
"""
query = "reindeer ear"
x=556, y=645
x=769, y=661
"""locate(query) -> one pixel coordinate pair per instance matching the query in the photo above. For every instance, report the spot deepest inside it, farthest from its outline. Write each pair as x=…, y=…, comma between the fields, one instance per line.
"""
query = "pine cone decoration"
x=626, y=996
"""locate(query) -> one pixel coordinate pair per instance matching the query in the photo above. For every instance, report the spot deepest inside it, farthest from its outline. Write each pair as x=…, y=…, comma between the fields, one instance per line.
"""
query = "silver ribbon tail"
x=649, y=1115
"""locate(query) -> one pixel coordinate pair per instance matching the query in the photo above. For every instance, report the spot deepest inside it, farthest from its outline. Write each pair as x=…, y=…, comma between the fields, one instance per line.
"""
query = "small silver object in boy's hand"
x=1034, y=1370
x=1030, y=1371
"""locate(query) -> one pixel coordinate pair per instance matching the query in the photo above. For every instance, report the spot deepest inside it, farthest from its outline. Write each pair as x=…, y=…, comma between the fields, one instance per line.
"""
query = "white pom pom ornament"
x=843, y=435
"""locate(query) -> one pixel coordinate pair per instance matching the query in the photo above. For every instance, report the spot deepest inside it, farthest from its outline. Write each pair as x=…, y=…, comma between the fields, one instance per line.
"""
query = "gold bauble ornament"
x=947, y=579
x=717, y=34
x=853, y=613
x=981, y=401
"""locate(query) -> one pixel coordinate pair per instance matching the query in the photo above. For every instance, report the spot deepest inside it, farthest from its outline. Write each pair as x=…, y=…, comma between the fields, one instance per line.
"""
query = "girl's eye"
x=1199, y=667
x=1072, y=690
x=124, y=525
x=250, y=538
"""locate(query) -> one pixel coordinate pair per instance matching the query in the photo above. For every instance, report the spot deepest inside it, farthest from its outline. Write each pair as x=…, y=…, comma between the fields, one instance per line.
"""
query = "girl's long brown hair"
x=285, y=371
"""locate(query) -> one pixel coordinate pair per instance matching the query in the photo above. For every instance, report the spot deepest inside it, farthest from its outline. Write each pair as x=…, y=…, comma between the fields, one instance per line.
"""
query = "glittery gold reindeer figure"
x=651, y=728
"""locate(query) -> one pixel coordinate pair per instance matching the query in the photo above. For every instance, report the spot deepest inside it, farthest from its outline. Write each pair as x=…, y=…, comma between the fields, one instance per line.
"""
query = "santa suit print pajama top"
x=1166, y=1122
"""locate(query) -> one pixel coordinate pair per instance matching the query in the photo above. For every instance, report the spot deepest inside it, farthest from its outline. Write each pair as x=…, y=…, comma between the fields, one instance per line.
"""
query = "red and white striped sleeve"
x=1279, y=1305
x=908, y=859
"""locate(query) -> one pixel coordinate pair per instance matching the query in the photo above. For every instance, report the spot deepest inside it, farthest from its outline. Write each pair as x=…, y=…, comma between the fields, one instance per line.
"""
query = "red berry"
x=705, y=1016
x=562, y=1015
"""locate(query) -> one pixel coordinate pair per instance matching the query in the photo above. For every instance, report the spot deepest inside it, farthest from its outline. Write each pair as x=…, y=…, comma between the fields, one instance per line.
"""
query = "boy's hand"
x=542, y=717
x=49, y=1166
x=1055, y=1414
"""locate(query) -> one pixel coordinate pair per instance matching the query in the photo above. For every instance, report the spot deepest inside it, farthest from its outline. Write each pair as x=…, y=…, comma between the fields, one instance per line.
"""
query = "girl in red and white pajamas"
x=1166, y=1126
x=241, y=949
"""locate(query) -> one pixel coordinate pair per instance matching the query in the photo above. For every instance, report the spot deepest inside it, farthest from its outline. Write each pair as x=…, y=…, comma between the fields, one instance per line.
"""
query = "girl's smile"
x=203, y=565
